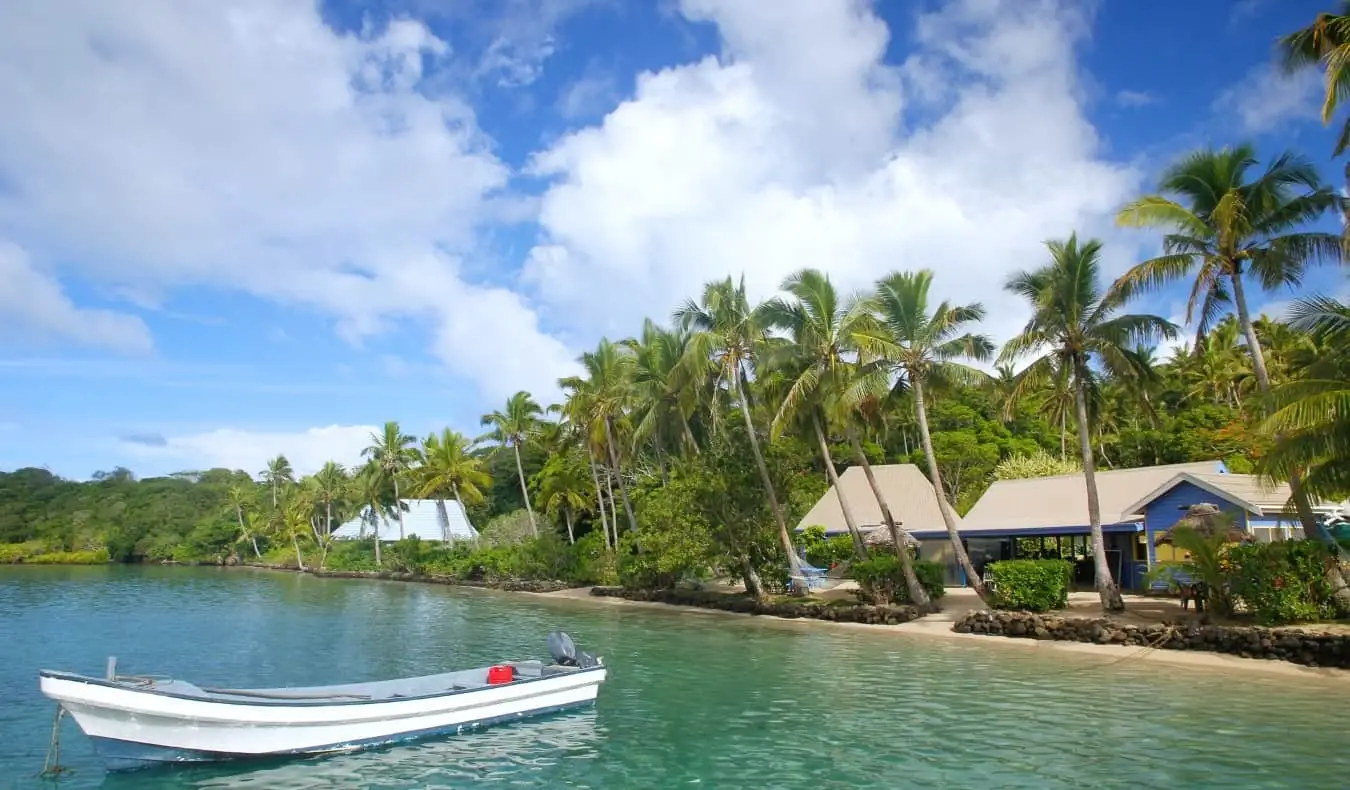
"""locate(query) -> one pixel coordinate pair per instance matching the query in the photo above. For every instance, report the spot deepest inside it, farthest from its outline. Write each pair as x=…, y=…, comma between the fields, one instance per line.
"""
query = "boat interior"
x=383, y=690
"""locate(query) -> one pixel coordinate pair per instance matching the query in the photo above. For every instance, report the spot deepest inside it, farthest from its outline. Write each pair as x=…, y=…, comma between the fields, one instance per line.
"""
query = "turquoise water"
x=693, y=699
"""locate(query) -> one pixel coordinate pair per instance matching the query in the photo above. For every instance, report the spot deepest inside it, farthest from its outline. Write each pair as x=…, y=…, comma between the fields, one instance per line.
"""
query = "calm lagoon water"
x=692, y=699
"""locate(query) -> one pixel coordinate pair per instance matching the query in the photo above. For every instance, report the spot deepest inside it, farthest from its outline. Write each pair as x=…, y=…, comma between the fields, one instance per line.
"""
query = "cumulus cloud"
x=798, y=146
x=1129, y=98
x=34, y=309
x=1266, y=99
x=232, y=448
x=246, y=145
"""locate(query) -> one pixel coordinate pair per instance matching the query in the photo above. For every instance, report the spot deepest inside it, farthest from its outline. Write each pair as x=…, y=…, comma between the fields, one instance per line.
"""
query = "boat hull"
x=132, y=728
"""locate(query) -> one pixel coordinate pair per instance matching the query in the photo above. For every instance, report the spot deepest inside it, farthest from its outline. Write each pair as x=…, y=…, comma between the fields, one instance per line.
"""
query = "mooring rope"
x=51, y=767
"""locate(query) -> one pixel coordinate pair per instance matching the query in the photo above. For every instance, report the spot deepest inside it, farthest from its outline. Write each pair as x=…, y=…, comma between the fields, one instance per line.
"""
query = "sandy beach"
x=958, y=602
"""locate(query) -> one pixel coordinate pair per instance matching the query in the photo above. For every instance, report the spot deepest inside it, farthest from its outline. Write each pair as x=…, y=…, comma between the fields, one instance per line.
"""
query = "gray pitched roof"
x=908, y=493
x=422, y=519
x=1061, y=501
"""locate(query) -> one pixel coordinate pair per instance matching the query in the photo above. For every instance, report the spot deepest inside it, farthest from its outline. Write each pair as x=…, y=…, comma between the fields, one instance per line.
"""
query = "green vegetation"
x=1031, y=585
x=1281, y=582
x=689, y=450
x=881, y=581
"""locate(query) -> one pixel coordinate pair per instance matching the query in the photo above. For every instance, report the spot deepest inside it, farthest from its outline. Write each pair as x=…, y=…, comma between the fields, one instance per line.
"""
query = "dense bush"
x=36, y=553
x=1031, y=585
x=822, y=551
x=1281, y=582
x=881, y=580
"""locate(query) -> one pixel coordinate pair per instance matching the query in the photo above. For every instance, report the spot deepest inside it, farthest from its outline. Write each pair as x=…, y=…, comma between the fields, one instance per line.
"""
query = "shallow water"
x=692, y=699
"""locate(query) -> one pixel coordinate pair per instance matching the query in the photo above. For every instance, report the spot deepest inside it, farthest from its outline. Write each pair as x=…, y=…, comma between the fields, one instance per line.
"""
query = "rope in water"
x=51, y=767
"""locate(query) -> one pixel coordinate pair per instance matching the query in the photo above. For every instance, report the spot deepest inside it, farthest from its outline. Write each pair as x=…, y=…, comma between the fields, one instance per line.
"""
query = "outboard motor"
x=564, y=652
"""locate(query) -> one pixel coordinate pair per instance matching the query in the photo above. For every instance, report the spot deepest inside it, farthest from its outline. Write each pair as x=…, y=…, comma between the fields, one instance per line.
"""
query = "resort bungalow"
x=1048, y=515
x=912, y=501
x=1137, y=505
x=426, y=519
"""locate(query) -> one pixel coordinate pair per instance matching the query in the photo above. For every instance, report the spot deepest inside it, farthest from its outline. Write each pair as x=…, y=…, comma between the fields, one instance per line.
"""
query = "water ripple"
x=691, y=701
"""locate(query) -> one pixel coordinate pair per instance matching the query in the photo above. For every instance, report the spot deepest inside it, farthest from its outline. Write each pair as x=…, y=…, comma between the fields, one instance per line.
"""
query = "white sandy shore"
x=958, y=602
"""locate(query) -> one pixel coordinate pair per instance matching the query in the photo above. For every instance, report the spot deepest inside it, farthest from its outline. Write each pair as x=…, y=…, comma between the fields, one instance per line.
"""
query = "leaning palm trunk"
x=567, y=516
x=623, y=487
x=454, y=489
x=299, y=560
x=948, y=518
x=688, y=434
x=859, y=548
x=398, y=506
x=600, y=501
x=917, y=594
x=524, y=491
x=613, y=505
x=1308, y=519
x=239, y=513
x=794, y=564
x=753, y=584
x=1106, y=586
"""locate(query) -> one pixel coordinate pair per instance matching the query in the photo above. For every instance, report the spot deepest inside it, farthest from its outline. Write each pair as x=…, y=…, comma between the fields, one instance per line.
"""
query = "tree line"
x=813, y=379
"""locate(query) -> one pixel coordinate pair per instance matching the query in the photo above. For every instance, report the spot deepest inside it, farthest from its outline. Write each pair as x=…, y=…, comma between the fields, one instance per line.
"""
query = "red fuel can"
x=500, y=674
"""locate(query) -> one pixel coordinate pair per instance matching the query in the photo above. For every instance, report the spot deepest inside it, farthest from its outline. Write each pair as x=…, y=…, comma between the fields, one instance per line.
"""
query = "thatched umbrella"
x=881, y=536
x=1207, y=519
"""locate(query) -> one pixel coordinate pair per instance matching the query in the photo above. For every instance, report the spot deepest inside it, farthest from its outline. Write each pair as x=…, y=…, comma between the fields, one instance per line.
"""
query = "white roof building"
x=425, y=519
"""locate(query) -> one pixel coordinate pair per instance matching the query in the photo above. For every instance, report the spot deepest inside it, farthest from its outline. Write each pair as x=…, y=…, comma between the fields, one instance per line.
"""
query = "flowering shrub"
x=1281, y=582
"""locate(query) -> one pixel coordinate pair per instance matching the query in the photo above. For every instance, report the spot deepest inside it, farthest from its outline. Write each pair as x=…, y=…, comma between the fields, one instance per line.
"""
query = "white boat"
x=137, y=721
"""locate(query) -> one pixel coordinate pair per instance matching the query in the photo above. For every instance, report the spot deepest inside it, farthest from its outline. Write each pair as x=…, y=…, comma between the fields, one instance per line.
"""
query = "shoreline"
x=938, y=625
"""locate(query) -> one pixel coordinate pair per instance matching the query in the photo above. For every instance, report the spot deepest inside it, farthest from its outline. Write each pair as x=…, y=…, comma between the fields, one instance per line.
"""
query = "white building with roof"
x=441, y=520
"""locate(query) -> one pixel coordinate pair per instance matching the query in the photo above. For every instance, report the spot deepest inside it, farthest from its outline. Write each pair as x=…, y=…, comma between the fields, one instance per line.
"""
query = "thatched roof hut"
x=1207, y=519
x=881, y=536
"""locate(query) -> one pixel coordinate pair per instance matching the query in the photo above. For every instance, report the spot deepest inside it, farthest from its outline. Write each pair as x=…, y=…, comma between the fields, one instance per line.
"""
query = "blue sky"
x=239, y=228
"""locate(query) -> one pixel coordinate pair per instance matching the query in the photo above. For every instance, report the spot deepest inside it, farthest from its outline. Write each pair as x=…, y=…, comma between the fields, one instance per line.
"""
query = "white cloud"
x=33, y=309
x=798, y=147
x=1266, y=98
x=245, y=145
x=250, y=451
x=591, y=95
x=1129, y=98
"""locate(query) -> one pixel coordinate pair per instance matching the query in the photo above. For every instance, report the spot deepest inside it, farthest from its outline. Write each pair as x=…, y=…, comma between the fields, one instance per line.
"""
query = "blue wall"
x=1166, y=510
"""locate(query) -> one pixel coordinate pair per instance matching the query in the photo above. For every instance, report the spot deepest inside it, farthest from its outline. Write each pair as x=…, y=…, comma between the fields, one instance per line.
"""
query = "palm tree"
x=239, y=498
x=329, y=486
x=372, y=497
x=562, y=488
x=575, y=412
x=820, y=331
x=1326, y=44
x=662, y=403
x=1311, y=423
x=727, y=331
x=607, y=390
x=512, y=427
x=447, y=466
x=278, y=474
x=1223, y=227
x=921, y=348
x=1074, y=324
x=391, y=451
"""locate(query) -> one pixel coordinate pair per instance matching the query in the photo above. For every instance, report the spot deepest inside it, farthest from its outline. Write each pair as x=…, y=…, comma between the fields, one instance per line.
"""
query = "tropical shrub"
x=1030, y=585
x=17, y=552
x=881, y=580
x=507, y=529
x=1037, y=464
x=1281, y=582
x=596, y=563
x=88, y=557
x=822, y=551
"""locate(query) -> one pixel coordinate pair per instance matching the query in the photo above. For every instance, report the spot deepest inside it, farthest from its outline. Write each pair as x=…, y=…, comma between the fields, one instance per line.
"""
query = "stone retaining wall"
x=1311, y=648
x=850, y=613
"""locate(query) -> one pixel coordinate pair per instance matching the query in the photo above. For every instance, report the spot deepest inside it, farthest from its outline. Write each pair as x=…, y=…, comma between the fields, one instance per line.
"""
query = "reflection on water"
x=520, y=754
x=691, y=699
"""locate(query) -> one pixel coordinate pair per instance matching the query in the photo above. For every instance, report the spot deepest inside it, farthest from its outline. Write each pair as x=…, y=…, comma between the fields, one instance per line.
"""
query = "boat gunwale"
x=74, y=677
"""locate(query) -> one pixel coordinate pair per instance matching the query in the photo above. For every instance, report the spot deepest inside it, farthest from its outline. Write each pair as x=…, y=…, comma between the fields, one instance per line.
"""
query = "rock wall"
x=1310, y=648
x=846, y=613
